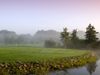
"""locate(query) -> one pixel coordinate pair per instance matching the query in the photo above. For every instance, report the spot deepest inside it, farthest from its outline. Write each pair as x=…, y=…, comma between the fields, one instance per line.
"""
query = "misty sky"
x=28, y=16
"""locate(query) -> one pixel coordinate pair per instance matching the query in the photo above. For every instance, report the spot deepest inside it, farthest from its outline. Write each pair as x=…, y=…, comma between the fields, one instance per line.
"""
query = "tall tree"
x=65, y=37
x=91, y=34
x=74, y=37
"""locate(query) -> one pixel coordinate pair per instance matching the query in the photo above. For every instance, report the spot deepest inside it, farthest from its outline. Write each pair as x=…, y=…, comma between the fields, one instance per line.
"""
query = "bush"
x=50, y=44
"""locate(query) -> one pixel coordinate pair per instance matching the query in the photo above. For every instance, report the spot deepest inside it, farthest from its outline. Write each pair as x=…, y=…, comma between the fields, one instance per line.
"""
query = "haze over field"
x=29, y=16
x=49, y=37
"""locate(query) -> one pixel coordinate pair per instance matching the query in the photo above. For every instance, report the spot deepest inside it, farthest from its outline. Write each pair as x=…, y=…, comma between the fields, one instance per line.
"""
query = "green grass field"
x=28, y=54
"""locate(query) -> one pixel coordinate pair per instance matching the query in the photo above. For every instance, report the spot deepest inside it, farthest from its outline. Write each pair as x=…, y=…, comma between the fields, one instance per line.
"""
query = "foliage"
x=50, y=44
x=39, y=61
x=91, y=35
x=91, y=39
x=65, y=37
x=43, y=67
x=74, y=39
x=10, y=37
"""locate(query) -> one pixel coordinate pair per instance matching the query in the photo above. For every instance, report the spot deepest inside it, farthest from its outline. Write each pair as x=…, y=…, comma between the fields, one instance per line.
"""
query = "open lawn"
x=28, y=54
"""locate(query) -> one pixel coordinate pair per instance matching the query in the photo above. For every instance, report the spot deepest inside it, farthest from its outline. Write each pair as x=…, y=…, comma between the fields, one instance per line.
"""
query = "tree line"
x=11, y=38
x=72, y=40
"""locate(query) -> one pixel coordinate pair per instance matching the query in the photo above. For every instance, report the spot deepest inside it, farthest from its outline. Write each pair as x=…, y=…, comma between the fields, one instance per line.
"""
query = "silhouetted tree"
x=65, y=37
x=91, y=35
x=74, y=39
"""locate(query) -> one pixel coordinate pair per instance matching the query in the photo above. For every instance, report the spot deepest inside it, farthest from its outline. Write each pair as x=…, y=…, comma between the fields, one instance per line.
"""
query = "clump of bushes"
x=43, y=67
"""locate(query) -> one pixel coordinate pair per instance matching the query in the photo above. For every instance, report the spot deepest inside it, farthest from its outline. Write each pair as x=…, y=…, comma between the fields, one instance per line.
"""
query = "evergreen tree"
x=74, y=37
x=91, y=35
x=65, y=37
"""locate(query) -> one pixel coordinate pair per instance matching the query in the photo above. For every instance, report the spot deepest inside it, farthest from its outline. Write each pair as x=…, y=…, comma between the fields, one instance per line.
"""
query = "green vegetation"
x=50, y=44
x=91, y=38
x=65, y=37
x=39, y=61
x=72, y=41
x=11, y=54
x=91, y=34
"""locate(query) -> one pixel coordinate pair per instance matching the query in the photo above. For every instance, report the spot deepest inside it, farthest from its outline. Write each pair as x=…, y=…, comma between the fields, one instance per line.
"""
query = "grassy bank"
x=28, y=60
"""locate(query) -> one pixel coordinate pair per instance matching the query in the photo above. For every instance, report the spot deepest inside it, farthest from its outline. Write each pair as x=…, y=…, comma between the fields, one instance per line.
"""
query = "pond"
x=89, y=69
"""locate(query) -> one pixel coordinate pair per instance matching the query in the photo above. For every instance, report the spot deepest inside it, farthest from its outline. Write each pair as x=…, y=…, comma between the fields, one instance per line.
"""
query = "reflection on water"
x=89, y=69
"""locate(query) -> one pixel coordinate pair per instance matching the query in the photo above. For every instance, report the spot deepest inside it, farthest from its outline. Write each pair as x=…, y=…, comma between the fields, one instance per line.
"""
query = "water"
x=89, y=69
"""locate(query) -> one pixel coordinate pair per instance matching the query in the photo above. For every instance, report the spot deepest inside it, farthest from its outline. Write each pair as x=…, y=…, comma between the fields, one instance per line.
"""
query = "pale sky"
x=29, y=16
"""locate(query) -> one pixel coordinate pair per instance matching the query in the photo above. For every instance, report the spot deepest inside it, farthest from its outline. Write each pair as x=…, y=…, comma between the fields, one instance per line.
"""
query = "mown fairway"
x=28, y=54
